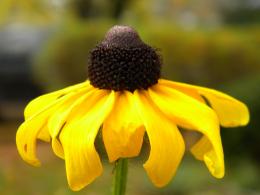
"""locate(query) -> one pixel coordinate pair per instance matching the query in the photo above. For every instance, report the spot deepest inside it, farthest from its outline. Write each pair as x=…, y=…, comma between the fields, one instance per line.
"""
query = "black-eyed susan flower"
x=126, y=97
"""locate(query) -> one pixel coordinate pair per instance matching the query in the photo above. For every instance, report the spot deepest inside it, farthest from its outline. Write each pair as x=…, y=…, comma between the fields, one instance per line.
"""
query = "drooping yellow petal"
x=44, y=134
x=231, y=112
x=35, y=128
x=201, y=147
x=61, y=115
x=41, y=102
x=167, y=145
x=194, y=115
x=57, y=147
x=28, y=133
x=78, y=135
x=123, y=130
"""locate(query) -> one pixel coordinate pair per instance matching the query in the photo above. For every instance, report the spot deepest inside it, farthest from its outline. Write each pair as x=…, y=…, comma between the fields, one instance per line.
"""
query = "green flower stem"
x=120, y=177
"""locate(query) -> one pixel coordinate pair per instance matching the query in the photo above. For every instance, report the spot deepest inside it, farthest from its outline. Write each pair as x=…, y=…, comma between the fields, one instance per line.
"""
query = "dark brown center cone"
x=122, y=61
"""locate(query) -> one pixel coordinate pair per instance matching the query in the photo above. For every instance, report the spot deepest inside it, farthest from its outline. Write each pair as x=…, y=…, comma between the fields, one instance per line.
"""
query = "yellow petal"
x=202, y=147
x=35, y=127
x=192, y=114
x=202, y=150
x=167, y=145
x=57, y=148
x=78, y=136
x=41, y=102
x=28, y=133
x=123, y=130
x=44, y=134
x=231, y=112
x=61, y=115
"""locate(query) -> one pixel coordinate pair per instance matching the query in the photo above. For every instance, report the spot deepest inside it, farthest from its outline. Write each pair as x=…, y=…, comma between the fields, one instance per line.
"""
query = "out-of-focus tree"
x=64, y=58
x=118, y=8
x=241, y=12
x=184, y=13
x=85, y=9
x=82, y=8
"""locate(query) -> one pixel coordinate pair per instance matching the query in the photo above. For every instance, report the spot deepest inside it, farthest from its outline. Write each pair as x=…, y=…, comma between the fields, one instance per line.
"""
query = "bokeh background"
x=44, y=45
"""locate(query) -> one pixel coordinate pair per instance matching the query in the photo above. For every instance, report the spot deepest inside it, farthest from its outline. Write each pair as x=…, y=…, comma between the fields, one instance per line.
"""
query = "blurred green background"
x=44, y=45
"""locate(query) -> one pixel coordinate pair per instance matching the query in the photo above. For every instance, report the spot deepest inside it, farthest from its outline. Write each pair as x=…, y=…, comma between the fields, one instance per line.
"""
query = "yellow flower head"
x=125, y=95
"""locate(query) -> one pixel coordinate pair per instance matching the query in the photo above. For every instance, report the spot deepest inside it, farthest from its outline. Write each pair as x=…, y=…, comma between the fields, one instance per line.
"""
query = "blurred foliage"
x=243, y=12
x=242, y=16
x=64, y=58
x=32, y=11
x=85, y=9
x=50, y=178
x=244, y=141
x=205, y=57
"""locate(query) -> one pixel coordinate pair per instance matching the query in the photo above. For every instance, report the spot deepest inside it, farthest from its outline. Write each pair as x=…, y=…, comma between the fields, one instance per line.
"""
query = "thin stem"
x=120, y=177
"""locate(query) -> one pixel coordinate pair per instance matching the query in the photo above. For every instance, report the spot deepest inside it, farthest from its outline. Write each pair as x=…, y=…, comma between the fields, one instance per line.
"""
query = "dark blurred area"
x=44, y=46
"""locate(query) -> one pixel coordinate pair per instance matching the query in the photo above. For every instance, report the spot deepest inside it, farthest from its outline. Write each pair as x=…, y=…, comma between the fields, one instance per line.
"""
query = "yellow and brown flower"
x=125, y=95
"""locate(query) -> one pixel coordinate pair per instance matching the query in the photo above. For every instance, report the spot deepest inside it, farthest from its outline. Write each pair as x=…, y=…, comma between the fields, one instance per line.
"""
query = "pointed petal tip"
x=77, y=186
x=33, y=162
x=112, y=159
x=27, y=155
x=28, y=158
x=217, y=174
x=157, y=182
x=124, y=155
x=217, y=170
